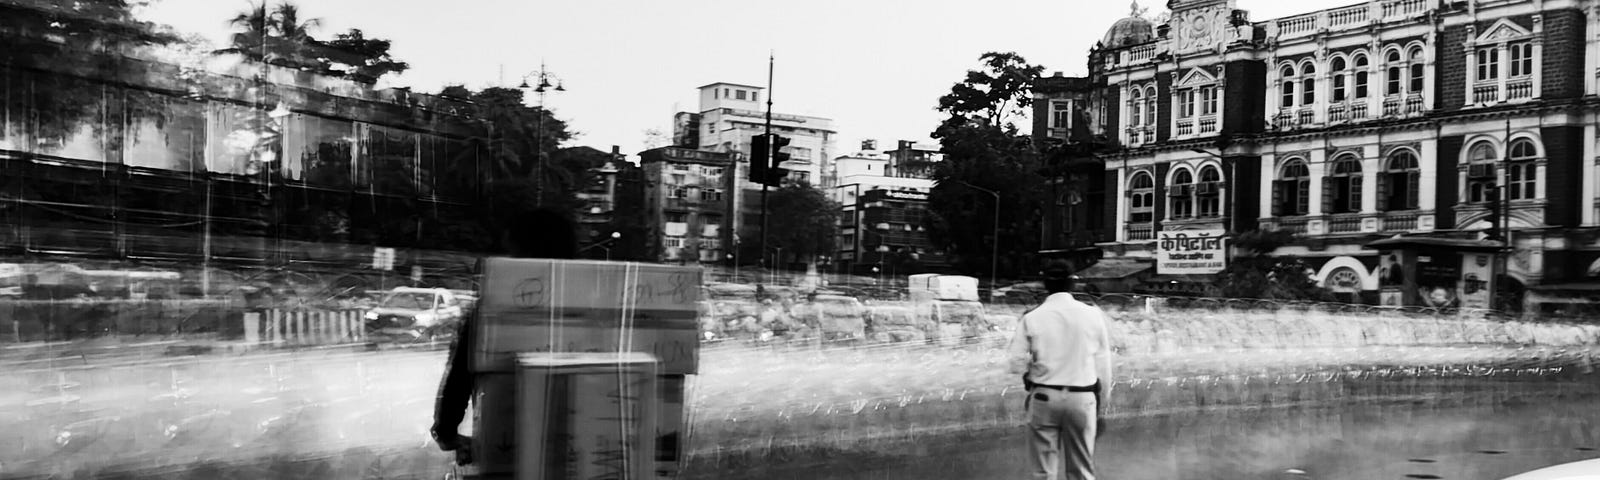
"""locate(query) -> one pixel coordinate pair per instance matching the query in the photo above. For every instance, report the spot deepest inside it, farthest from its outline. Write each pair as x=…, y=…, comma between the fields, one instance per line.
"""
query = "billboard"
x=1191, y=252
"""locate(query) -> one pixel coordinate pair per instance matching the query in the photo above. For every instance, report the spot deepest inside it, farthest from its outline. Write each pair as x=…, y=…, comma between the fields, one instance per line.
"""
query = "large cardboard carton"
x=573, y=306
x=586, y=416
x=671, y=430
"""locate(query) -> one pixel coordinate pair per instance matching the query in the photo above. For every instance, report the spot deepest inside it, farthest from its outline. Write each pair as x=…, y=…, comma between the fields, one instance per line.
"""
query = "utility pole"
x=1503, y=225
x=771, y=60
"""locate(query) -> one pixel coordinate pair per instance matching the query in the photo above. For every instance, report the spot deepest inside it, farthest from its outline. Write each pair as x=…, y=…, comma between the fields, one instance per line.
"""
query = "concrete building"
x=730, y=114
x=883, y=216
x=686, y=204
x=1353, y=124
x=913, y=160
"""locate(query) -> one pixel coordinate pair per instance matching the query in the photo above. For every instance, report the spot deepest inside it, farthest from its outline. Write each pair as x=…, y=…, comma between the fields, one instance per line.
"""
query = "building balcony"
x=1185, y=127
x=1519, y=89
x=1344, y=223
x=1295, y=225
x=1141, y=232
x=1392, y=106
x=1400, y=221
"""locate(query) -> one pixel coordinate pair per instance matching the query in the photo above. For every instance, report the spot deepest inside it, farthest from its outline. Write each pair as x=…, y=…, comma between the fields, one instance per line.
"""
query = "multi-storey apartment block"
x=687, y=204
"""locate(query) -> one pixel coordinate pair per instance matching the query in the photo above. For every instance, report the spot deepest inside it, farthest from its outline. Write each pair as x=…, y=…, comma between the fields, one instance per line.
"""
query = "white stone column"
x=1371, y=170
x=1429, y=164
x=1122, y=205
x=1318, y=164
x=1269, y=173
x=1587, y=191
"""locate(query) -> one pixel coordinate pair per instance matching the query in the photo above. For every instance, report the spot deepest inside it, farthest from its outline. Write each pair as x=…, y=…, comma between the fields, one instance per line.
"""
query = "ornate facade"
x=1348, y=125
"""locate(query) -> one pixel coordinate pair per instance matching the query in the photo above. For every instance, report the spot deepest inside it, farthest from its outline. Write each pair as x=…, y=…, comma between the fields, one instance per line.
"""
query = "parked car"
x=416, y=313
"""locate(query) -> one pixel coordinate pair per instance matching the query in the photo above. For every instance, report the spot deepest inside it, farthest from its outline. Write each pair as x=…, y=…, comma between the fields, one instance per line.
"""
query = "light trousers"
x=1062, y=430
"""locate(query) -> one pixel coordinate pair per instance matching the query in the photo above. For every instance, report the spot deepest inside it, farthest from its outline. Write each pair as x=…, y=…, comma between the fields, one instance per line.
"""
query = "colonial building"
x=686, y=204
x=1354, y=124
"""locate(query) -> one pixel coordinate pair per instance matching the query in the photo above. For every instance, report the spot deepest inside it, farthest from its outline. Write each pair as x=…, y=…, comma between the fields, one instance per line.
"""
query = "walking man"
x=543, y=233
x=1063, y=350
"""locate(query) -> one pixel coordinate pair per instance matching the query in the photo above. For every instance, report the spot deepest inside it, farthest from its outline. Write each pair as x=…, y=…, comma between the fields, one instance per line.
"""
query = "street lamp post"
x=604, y=244
x=542, y=88
x=994, y=252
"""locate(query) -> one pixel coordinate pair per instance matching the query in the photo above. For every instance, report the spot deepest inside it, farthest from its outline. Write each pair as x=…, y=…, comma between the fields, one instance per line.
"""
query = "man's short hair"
x=1058, y=276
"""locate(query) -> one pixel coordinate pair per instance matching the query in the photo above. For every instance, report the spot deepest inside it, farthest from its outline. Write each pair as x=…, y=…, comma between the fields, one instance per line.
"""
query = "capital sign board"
x=1191, y=252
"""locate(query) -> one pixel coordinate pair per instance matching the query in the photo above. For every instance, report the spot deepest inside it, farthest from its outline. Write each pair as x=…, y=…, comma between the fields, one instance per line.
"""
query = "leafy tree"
x=985, y=150
x=802, y=222
x=363, y=59
x=1255, y=273
x=515, y=138
x=282, y=36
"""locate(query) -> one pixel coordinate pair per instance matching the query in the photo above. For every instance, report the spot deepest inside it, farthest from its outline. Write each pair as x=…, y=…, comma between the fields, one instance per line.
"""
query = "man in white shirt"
x=1063, y=349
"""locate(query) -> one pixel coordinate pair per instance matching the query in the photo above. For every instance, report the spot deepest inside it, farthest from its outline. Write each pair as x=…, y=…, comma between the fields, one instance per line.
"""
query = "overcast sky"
x=876, y=67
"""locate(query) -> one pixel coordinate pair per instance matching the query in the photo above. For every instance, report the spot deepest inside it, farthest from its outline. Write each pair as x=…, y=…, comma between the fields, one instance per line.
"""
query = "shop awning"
x=1463, y=244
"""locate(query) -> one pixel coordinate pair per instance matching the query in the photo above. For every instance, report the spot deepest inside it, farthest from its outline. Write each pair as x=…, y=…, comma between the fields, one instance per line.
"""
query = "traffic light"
x=775, y=172
x=759, y=149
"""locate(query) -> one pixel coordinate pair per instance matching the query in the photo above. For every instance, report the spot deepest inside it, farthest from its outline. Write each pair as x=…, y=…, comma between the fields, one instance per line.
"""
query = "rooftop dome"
x=1133, y=30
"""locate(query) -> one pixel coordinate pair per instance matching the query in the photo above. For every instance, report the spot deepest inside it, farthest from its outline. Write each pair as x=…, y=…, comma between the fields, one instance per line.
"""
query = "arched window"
x=1341, y=190
x=1361, y=76
x=1522, y=170
x=1399, y=185
x=1150, y=105
x=1137, y=102
x=1481, y=179
x=1291, y=192
x=1338, y=69
x=1308, y=83
x=1392, y=81
x=1142, y=198
x=1181, y=195
x=1417, y=61
x=1287, y=87
x=1208, y=193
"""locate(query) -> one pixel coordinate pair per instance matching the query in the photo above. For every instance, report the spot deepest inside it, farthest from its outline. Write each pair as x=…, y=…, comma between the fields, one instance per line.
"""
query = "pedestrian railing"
x=304, y=327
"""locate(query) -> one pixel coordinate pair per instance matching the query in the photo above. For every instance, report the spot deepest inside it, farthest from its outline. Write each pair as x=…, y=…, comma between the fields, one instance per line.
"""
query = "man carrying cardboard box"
x=543, y=234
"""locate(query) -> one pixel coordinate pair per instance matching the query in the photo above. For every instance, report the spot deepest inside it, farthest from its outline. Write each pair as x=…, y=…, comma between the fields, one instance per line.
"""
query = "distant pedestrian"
x=1063, y=350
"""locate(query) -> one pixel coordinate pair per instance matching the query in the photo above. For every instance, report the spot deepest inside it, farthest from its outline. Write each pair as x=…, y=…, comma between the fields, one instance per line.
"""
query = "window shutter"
x=1328, y=195
x=1302, y=196
x=1355, y=193
x=1277, y=198
x=1383, y=191
x=1413, y=184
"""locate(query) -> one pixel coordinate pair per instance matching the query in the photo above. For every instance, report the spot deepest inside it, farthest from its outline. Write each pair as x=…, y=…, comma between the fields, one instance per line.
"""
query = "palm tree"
x=254, y=28
x=278, y=35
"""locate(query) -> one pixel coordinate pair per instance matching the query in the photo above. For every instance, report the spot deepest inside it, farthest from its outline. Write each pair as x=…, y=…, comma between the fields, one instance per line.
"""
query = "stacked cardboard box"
x=566, y=306
x=586, y=416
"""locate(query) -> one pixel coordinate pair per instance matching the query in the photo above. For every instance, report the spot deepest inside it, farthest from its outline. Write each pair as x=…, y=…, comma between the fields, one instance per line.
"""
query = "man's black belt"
x=1089, y=389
